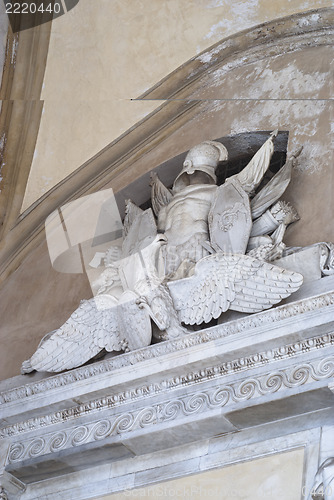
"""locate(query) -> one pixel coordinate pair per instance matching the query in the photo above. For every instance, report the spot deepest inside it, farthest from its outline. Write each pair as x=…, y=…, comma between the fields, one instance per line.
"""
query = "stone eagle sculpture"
x=203, y=250
x=105, y=322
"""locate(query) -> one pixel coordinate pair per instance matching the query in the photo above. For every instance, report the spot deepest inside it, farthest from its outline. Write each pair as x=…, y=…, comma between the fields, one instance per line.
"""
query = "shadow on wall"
x=241, y=148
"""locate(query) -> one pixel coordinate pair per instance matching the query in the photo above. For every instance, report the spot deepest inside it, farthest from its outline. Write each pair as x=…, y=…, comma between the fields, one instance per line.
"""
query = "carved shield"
x=230, y=220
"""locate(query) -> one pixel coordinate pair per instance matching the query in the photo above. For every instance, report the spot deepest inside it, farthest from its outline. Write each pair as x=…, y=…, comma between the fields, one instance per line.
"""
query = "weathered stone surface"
x=268, y=372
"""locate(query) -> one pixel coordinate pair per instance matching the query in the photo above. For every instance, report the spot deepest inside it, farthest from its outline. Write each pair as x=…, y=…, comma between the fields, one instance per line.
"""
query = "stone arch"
x=127, y=158
x=185, y=119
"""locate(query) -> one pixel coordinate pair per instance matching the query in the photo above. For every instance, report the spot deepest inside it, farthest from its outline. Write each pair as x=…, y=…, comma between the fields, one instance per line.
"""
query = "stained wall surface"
x=3, y=37
x=3, y=34
x=290, y=91
x=33, y=300
x=273, y=477
x=104, y=53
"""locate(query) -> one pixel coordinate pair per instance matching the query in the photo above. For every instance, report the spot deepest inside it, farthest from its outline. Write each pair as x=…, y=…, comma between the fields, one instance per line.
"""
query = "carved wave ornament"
x=214, y=372
x=218, y=396
x=201, y=250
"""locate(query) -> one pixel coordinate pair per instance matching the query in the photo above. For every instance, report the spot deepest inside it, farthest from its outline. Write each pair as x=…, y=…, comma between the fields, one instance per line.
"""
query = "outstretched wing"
x=226, y=281
x=92, y=327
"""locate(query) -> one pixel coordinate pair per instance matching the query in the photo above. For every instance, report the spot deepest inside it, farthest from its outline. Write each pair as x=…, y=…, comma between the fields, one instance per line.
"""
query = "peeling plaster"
x=245, y=12
x=278, y=113
x=3, y=140
x=14, y=49
x=185, y=29
x=207, y=56
x=306, y=22
x=216, y=3
x=310, y=158
x=286, y=81
x=281, y=83
x=1, y=176
x=216, y=28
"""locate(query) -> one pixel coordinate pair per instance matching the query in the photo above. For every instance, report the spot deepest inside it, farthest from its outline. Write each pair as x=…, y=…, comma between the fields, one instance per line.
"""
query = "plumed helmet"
x=203, y=158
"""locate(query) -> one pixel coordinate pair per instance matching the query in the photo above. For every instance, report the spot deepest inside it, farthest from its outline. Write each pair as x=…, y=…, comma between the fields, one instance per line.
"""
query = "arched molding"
x=297, y=32
x=283, y=35
x=23, y=74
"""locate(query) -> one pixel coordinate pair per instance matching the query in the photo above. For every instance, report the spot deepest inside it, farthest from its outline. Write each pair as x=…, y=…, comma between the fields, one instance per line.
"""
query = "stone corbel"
x=11, y=488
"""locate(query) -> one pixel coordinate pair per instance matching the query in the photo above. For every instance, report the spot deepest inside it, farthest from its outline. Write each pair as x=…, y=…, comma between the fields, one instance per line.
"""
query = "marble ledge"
x=267, y=376
x=307, y=315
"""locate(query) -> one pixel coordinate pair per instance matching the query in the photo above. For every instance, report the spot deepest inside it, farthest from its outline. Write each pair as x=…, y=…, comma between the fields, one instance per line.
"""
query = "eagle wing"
x=92, y=327
x=226, y=281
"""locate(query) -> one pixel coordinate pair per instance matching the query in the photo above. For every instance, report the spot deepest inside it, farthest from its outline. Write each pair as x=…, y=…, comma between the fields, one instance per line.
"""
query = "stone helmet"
x=203, y=158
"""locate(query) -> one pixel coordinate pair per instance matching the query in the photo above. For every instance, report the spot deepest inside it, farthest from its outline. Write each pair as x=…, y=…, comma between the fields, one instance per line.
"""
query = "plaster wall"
x=33, y=301
x=36, y=299
x=296, y=92
x=275, y=476
x=104, y=53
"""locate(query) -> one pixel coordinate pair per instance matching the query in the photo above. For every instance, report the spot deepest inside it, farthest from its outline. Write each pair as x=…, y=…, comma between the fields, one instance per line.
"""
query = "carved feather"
x=90, y=328
x=131, y=212
x=105, y=322
x=98, y=323
x=226, y=281
x=160, y=194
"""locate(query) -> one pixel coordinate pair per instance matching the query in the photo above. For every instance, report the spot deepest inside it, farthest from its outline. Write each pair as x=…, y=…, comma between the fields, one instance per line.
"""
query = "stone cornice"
x=272, y=367
x=287, y=314
x=170, y=409
x=192, y=378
